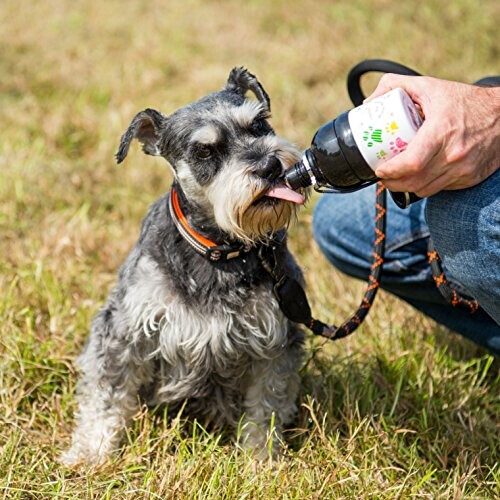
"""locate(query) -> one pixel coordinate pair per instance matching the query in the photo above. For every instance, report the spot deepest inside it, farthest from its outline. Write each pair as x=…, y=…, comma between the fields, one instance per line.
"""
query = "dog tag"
x=292, y=300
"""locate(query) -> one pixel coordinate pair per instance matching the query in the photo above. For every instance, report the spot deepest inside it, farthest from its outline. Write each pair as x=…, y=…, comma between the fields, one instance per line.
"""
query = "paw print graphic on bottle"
x=391, y=127
x=398, y=145
x=372, y=135
x=383, y=127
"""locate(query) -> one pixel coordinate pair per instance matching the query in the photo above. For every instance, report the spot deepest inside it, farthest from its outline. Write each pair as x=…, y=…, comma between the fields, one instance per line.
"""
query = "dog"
x=193, y=319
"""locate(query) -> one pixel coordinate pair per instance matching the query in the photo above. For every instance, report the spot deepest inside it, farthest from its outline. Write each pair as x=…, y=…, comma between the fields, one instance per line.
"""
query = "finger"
x=451, y=177
x=415, y=185
x=390, y=81
x=437, y=185
x=412, y=183
x=399, y=185
x=450, y=182
x=407, y=185
x=468, y=176
x=422, y=149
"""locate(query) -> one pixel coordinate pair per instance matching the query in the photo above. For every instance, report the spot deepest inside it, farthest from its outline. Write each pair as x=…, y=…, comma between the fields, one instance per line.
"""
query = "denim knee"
x=465, y=227
x=337, y=232
x=344, y=225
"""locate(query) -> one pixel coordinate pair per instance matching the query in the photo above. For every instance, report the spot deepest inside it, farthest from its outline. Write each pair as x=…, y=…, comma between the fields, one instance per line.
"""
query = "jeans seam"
x=407, y=238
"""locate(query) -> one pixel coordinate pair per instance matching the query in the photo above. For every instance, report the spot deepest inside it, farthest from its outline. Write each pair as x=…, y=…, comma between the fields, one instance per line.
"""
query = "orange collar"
x=202, y=245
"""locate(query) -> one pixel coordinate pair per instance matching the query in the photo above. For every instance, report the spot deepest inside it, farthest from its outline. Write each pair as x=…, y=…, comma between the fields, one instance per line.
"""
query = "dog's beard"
x=242, y=209
x=265, y=216
x=240, y=206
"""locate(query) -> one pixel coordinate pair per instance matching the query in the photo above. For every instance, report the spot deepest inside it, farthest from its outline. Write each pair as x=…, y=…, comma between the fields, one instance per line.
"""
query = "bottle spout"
x=300, y=174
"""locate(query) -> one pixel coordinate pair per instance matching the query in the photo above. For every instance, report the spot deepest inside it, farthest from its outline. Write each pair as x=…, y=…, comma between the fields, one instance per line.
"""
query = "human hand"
x=458, y=145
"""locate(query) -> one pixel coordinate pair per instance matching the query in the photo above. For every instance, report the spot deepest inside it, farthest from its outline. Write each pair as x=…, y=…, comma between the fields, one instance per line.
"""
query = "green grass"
x=404, y=408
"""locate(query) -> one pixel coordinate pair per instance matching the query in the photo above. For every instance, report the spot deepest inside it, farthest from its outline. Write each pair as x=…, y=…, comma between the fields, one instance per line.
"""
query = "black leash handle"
x=403, y=200
x=369, y=66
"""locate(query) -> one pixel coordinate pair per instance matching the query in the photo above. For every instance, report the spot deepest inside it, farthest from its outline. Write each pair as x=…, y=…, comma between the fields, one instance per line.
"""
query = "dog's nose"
x=271, y=169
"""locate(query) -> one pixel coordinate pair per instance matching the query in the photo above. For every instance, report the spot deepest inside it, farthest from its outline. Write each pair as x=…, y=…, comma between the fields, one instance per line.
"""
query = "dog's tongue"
x=285, y=193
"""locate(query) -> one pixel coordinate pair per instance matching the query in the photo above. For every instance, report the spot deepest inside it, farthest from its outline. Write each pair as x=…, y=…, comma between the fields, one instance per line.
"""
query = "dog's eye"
x=204, y=152
x=258, y=126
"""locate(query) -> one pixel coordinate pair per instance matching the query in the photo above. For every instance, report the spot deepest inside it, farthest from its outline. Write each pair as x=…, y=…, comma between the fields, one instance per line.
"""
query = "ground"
x=404, y=408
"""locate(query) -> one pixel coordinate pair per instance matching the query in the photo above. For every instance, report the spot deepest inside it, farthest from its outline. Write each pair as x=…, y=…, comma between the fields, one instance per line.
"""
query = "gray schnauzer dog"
x=193, y=319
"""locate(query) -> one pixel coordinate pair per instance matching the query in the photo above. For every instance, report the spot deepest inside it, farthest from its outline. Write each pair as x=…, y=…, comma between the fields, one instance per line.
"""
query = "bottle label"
x=382, y=128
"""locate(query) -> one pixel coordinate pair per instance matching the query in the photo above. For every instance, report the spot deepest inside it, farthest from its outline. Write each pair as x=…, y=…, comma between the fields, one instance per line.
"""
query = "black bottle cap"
x=338, y=161
x=297, y=177
x=350, y=150
x=330, y=165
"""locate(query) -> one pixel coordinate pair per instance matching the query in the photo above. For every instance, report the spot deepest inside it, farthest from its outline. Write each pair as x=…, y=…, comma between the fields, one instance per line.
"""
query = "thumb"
x=420, y=151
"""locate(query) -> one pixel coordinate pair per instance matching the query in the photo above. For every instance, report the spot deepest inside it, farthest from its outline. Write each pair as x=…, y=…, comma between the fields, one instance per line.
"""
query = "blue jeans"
x=465, y=227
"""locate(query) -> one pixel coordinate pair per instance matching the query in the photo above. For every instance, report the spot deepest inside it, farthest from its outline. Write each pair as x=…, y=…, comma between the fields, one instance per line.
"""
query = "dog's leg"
x=270, y=401
x=113, y=372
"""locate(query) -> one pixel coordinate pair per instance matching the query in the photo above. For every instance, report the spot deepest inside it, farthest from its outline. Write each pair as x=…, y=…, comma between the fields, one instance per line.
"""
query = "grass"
x=404, y=408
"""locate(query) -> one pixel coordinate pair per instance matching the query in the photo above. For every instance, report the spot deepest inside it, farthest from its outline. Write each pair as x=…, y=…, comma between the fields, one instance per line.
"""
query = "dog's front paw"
x=263, y=444
x=88, y=452
x=77, y=456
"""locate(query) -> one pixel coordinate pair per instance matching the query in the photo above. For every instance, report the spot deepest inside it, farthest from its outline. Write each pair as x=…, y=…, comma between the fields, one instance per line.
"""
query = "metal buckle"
x=227, y=251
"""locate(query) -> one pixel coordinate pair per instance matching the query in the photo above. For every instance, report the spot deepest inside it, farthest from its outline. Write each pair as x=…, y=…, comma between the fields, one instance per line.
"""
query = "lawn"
x=403, y=408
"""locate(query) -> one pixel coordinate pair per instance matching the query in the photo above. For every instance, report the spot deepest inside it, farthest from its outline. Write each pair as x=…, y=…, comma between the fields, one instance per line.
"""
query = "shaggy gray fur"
x=177, y=326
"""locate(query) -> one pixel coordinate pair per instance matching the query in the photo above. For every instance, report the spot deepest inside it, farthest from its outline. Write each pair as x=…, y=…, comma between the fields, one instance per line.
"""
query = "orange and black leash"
x=293, y=300
x=451, y=295
x=349, y=326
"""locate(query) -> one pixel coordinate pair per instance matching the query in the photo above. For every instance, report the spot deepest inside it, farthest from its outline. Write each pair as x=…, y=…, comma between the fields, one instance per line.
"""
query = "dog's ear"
x=240, y=81
x=145, y=127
